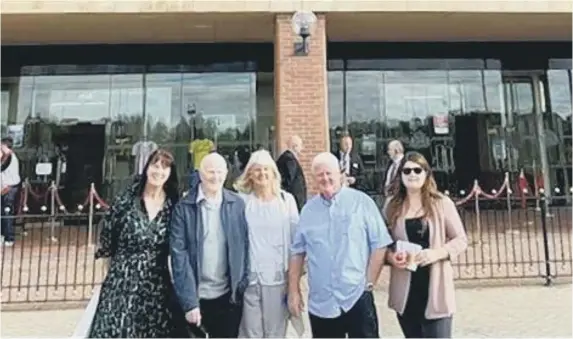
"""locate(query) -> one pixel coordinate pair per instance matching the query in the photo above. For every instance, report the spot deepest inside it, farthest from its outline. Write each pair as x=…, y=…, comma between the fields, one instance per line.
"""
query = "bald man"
x=292, y=176
x=396, y=153
x=210, y=252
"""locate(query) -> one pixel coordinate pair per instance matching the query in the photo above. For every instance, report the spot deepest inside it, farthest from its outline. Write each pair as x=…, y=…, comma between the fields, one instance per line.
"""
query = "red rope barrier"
x=476, y=191
x=100, y=201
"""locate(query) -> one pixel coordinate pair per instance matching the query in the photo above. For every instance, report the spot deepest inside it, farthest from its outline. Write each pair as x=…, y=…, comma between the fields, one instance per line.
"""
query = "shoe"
x=7, y=243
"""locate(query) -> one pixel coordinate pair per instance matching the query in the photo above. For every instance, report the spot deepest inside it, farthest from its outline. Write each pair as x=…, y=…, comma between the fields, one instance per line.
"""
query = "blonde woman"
x=272, y=216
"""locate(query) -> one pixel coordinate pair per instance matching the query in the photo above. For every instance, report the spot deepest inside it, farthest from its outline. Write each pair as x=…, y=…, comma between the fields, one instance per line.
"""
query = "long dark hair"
x=171, y=186
x=429, y=190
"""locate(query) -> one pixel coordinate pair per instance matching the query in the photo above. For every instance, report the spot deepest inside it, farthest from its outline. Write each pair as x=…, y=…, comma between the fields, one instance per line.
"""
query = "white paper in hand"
x=297, y=324
x=295, y=321
x=411, y=251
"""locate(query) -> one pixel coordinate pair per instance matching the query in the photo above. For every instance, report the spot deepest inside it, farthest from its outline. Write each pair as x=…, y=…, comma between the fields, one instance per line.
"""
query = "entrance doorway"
x=82, y=146
x=520, y=147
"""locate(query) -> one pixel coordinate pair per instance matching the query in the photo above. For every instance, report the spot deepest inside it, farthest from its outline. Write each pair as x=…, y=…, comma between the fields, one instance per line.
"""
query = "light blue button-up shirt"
x=338, y=236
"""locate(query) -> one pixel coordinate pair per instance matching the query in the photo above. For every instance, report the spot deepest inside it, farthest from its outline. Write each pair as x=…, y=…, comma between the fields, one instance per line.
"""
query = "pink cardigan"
x=446, y=231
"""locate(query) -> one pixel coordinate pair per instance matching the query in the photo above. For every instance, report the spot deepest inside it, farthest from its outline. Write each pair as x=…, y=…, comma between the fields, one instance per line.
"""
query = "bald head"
x=213, y=172
x=213, y=161
x=294, y=143
x=395, y=149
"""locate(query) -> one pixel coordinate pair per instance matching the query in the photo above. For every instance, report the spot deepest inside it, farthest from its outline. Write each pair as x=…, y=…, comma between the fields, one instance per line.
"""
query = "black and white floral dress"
x=136, y=298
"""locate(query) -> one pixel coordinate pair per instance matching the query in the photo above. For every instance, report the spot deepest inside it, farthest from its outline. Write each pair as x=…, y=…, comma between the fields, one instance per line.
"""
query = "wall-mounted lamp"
x=303, y=25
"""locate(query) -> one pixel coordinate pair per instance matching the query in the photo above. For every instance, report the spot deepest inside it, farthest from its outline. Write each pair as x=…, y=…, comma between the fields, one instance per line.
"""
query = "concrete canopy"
x=173, y=27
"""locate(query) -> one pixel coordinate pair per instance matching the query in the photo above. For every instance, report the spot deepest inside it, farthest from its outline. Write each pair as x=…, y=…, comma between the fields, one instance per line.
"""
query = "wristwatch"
x=369, y=287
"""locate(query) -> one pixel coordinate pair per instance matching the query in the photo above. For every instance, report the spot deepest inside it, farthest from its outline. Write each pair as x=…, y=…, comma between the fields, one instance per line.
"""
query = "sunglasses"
x=408, y=170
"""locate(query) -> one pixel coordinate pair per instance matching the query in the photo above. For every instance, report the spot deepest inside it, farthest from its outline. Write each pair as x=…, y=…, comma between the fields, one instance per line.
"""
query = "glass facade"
x=87, y=120
x=475, y=114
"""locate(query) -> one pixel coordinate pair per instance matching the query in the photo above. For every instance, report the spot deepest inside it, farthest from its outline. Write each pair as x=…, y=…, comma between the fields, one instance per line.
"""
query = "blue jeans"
x=8, y=200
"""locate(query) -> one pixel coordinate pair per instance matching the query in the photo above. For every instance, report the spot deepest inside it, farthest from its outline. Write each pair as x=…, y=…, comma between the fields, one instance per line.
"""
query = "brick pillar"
x=301, y=91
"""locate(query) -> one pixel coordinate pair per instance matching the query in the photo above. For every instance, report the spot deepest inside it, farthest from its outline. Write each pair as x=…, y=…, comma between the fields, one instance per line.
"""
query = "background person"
x=396, y=153
x=292, y=175
x=10, y=183
x=418, y=213
x=350, y=163
x=272, y=216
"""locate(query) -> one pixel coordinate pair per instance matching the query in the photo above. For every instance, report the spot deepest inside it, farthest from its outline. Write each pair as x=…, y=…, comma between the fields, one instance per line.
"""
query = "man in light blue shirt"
x=342, y=234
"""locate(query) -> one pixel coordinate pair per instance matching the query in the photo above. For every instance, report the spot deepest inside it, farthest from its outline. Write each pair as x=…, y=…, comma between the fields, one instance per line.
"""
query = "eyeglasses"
x=408, y=170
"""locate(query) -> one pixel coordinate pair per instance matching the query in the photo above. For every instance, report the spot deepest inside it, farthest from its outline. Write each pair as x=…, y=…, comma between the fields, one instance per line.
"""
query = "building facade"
x=482, y=88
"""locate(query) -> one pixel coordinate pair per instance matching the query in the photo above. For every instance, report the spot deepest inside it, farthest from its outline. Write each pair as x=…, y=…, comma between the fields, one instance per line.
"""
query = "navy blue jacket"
x=186, y=247
x=194, y=179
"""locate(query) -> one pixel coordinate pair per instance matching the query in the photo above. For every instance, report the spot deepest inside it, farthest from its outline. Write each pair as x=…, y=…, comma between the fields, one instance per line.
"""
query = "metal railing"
x=511, y=236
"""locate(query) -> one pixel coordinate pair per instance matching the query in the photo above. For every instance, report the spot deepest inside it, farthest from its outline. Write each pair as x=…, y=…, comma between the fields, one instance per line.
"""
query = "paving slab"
x=518, y=312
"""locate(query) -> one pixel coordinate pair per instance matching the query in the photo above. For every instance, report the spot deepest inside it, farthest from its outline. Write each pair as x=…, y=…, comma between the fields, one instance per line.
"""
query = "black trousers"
x=420, y=327
x=361, y=321
x=219, y=317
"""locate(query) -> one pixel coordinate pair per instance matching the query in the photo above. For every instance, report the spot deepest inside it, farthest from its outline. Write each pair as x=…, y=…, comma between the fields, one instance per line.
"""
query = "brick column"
x=301, y=91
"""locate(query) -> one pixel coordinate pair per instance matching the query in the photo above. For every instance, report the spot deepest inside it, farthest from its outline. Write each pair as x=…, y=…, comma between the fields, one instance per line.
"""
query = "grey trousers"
x=265, y=313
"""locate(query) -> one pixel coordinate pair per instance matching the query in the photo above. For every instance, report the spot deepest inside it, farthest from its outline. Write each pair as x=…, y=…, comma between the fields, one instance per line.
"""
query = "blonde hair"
x=263, y=158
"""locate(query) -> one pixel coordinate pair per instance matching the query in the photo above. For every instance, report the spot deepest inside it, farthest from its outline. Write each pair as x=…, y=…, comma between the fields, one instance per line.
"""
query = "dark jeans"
x=361, y=321
x=220, y=318
x=417, y=327
x=8, y=200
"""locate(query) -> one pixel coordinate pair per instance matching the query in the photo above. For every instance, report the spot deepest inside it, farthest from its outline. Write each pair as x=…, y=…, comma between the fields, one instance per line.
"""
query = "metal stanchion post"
x=91, y=214
x=52, y=211
x=478, y=217
x=543, y=206
x=508, y=201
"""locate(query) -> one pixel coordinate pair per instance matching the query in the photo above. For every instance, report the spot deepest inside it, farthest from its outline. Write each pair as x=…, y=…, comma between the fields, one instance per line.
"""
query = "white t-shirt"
x=141, y=151
x=11, y=175
x=271, y=228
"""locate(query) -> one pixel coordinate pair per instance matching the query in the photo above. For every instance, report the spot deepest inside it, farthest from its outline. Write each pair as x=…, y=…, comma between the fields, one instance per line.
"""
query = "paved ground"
x=526, y=311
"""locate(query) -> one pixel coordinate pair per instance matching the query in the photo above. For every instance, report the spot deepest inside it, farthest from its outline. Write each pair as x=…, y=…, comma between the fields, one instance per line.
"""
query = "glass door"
x=522, y=147
x=557, y=117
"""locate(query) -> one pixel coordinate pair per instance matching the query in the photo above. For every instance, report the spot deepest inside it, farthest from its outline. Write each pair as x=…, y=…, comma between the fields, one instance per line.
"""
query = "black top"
x=418, y=233
x=292, y=176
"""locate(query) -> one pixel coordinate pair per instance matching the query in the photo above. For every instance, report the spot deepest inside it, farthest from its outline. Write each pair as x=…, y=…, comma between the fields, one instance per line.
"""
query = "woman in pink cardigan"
x=423, y=297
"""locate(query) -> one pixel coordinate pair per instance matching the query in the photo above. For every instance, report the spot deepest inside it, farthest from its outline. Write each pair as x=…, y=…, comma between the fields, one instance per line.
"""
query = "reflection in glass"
x=163, y=94
x=125, y=128
x=221, y=108
x=423, y=109
x=522, y=151
x=92, y=122
x=264, y=133
x=363, y=102
x=336, y=107
x=558, y=126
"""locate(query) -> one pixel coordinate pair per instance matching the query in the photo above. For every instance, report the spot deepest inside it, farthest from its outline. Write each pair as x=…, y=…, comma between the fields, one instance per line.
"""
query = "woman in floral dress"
x=136, y=298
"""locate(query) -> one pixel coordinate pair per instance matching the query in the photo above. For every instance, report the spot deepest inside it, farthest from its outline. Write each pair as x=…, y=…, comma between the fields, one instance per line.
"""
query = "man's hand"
x=398, y=259
x=194, y=316
x=295, y=304
x=351, y=180
x=6, y=189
